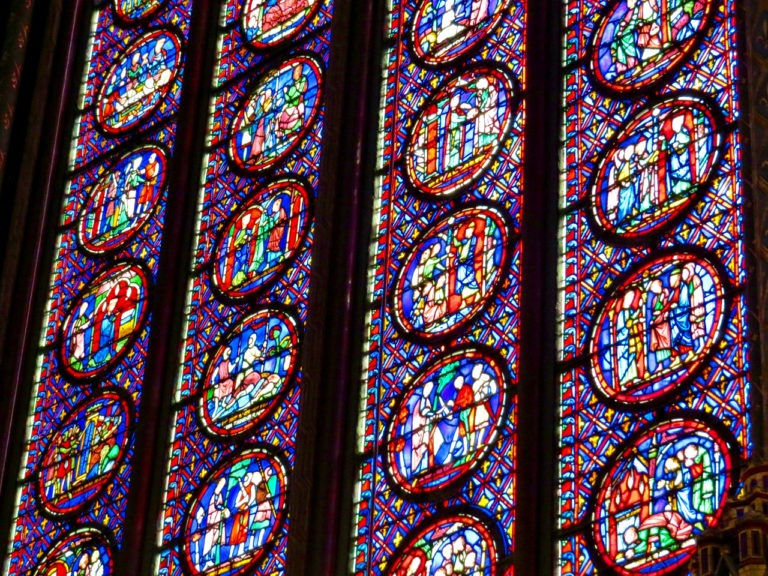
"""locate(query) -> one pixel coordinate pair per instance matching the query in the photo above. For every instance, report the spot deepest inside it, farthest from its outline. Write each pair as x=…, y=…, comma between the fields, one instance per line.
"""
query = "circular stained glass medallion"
x=446, y=420
x=638, y=42
x=664, y=489
x=276, y=114
x=83, y=551
x=104, y=320
x=248, y=373
x=139, y=81
x=267, y=23
x=133, y=10
x=460, y=130
x=261, y=239
x=122, y=200
x=235, y=514
x=444, y=30
x=84, y=453
x=656, y=328
x=452, y=273
x=654, y=168
x=458, y=543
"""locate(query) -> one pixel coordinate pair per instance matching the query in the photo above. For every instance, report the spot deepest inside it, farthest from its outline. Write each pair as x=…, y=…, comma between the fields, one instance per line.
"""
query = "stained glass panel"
x=237, y=396
x=86, y=401
x=237, y=513
x=437, y=427
x=654, y=356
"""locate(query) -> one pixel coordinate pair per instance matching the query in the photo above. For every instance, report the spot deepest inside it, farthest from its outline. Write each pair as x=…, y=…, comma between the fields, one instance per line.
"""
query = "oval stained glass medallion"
x=460, y=130
x=251, y=368
x=83, y=551
x=445, y=30
x=267, y=23
x=446, y=420
x=84, y=453
x=656, y=328
x=655, y=166
x=452, y=272
x=234, y=516
x=133, y=10
x=122, y=200
x=104, y=320
x=456, y=542
x=139, y=81
x=261, y=239
x=276, y=114
x=638, y=42
x=662, y=490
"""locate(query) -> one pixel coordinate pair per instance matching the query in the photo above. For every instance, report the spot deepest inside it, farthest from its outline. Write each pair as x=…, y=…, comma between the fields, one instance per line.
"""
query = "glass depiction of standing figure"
x=103, y=322
x=271, y=119
x=444, y=422
x=257, y=241
x=658, y=325
x=449, y=550
x=121, y=198
x=445, y=23
x=82, y=455
x=660, y=499
x=655, y=167
x=234, y=517
x=81, y=553
x=453, y=272
x=645, y=30
x=457, y=131
x=87, y=563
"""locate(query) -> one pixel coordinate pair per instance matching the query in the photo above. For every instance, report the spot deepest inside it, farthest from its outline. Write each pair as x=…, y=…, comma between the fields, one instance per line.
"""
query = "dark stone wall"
x=756, y=182
x=28, y=43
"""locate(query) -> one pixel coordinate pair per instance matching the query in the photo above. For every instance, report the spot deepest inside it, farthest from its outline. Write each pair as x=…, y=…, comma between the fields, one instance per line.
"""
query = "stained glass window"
x=237, y=397
x=652, y=369
x=654, y=356
x=73, y=484
x=437, y=426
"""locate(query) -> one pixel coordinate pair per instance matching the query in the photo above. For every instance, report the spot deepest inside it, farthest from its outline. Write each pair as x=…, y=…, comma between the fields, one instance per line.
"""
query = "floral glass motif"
x=443, y=295
x=139, y=81
x=457, y=544
x=445, y=30
x=132, y=10
x=656, y=166
x=267, y=23
x=234, y=515
x=459, y=131
x=249, y=372
x=446, y=420
x=452, y=273
x=656, y=328
x=654, y=276
x=639, y=41
x=122, y=200
x=276, y=114
x=665, y=488
x=104, y=320
x=261, y=239
x=83, y=551
x=83, y=454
